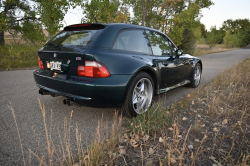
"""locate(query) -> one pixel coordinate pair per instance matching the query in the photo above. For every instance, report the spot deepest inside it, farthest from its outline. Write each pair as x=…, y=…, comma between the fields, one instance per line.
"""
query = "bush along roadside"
x=18, y=56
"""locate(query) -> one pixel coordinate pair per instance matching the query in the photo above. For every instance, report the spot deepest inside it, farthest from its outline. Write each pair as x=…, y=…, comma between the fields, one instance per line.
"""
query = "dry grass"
x=17, y=42
x=99, y=152
x=202, y=49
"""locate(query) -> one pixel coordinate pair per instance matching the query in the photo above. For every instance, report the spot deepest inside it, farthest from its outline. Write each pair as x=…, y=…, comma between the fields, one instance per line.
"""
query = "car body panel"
x=109, y=90
x=120, y=62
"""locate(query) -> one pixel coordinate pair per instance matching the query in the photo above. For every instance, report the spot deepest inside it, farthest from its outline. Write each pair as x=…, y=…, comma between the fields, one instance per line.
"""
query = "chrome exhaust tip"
x=69, y=102
x=43, y=92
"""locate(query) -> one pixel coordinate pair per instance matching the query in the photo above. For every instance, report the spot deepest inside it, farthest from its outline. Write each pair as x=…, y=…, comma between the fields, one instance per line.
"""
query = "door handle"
x=190, y=61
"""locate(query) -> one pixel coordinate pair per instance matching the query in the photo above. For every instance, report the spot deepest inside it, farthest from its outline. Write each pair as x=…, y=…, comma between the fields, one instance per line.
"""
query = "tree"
x=237, y=32
x=52, y=13
x=178, y=19
x=234, y=25
x=12, y=17
x=29, y=17
x=189, y=42
x=203, y=30
x=172, y=17
x=105, y=11
x=213, y=37
x=236, y=39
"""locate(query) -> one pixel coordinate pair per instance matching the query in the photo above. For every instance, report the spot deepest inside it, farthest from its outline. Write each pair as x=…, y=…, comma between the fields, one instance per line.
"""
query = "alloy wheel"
x=197, y=75
x=142, y=95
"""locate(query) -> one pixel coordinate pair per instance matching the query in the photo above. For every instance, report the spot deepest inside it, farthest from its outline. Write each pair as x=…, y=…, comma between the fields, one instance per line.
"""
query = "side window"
x=132, y=40
x=159, y=44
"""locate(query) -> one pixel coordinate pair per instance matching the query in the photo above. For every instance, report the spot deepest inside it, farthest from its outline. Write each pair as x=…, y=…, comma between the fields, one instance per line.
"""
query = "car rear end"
x=66, y=69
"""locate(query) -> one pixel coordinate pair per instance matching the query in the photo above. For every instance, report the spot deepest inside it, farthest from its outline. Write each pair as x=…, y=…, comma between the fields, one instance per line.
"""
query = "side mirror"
x=179, y=52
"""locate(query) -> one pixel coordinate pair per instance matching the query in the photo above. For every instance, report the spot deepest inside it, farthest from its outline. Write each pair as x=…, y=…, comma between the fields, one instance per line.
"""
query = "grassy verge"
x=202, y=49
x=209, y=127
x=18, y=56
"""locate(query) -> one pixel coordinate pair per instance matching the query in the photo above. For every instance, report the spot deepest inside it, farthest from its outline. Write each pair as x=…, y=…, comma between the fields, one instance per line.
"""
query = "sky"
x=216, y=15
x=223, y=10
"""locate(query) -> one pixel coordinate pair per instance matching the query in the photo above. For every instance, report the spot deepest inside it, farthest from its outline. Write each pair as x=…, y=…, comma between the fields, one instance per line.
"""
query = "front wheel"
x=139, y=95
x=196, y=77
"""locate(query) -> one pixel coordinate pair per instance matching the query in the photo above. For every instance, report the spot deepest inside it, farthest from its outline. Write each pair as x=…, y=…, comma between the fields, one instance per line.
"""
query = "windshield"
x=75, y=41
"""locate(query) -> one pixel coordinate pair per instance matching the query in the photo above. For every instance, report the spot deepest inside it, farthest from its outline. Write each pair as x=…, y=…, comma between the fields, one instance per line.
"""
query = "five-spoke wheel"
x=142, y=95
x=139, y=95
x=196, y=78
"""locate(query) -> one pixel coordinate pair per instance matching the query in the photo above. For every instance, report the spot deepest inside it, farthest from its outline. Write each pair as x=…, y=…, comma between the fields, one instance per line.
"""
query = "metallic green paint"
x=109, y=90
x=166, y=71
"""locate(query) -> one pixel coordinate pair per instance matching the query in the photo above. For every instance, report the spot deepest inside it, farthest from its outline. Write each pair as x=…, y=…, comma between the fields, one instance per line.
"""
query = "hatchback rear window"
x=72, y=40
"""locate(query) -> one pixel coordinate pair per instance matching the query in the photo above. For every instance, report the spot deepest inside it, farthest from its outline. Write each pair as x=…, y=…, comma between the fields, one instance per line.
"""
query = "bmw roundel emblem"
x=55, y=55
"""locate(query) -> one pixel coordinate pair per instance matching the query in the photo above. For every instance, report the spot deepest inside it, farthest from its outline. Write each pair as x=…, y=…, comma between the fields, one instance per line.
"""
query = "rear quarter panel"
x=125, y=63
x=121, y=62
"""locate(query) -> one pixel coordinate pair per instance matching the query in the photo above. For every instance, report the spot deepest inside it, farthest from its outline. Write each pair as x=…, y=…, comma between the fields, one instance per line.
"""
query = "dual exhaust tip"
x=65, y=101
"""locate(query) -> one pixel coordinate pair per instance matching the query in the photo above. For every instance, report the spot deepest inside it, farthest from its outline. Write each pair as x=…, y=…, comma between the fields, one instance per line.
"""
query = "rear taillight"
x=40, y=62
x=93, y=69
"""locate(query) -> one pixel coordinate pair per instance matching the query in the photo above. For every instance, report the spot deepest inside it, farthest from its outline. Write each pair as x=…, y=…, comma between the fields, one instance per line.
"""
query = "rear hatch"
x=65, y=51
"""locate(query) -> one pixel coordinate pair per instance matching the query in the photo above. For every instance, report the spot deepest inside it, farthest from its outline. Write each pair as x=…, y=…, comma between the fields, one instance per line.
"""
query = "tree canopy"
x=179, y=19
x=233, y=33
x=173, y=17
x=29, y=17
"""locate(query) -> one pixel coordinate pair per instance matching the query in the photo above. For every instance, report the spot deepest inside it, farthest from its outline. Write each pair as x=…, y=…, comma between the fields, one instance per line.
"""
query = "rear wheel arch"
x=126, y=108
x=148, y=71
x=193, y=82
x=199, y=61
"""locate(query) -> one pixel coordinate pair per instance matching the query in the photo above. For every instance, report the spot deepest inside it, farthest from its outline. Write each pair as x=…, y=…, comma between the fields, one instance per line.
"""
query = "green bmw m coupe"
x=113, y=65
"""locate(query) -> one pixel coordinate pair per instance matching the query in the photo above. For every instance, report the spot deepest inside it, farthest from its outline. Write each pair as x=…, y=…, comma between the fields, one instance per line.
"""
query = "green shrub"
x=18, y=56
x=213, y=37
x=234, y=40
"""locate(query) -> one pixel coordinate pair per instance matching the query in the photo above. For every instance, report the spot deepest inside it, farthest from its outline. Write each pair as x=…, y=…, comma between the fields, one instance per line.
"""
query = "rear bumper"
x=93, y=92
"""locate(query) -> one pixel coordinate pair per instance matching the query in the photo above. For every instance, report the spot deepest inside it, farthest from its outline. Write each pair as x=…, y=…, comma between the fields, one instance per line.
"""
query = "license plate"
x=55, y=65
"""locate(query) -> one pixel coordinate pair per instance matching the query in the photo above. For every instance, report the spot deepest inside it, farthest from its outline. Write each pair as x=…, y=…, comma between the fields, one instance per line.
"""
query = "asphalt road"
x=18, y=87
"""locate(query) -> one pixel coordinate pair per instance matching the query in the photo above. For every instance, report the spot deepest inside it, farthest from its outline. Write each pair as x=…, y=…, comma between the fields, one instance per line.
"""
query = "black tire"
x=194, y=82
x=127, y=108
